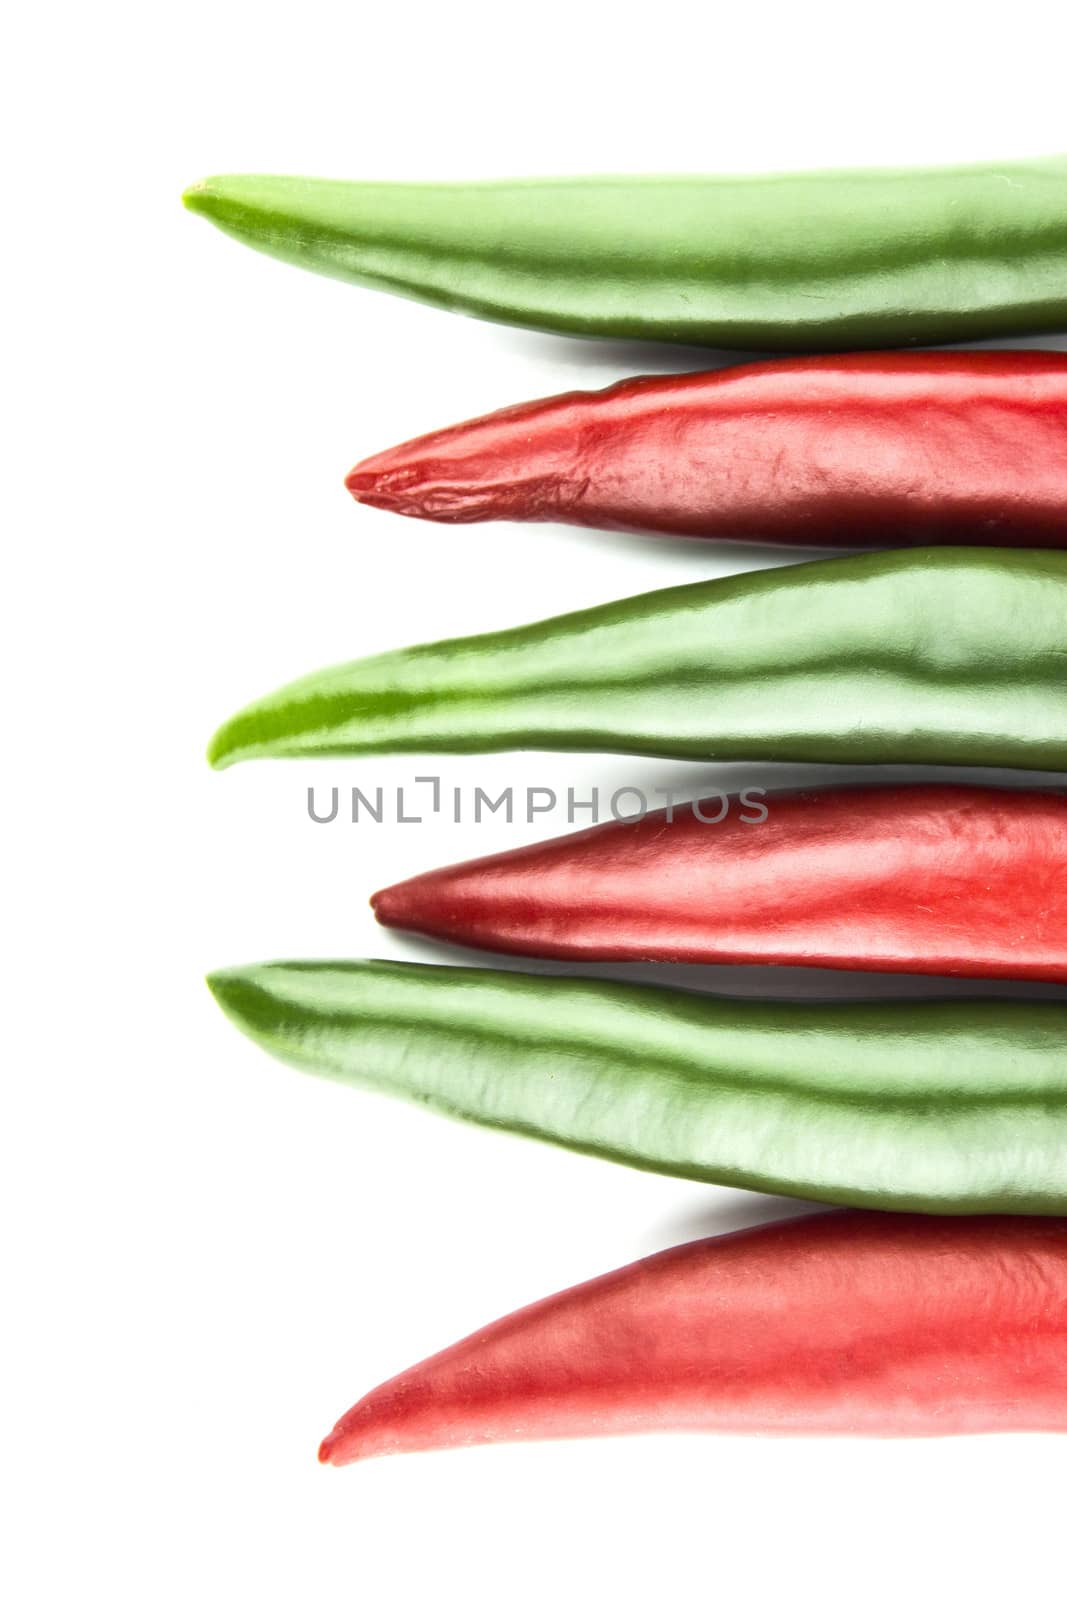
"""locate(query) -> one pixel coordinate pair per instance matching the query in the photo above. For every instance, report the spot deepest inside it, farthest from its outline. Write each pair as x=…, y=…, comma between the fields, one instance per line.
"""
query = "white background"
x=209, y=1257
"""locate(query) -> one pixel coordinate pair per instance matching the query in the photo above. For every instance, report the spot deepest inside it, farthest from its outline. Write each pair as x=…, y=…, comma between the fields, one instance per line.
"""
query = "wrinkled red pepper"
x=838, y=1323
x=927, y=878
x=874, y=449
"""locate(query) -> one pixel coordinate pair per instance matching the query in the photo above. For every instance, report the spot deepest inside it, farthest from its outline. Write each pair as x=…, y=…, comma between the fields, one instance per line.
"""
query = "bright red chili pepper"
x=930, y=878
x=876, y=449
x=839, y=1323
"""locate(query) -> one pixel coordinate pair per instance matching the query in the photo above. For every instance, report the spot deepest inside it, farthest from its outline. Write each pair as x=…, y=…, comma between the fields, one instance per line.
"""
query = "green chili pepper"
x=847, y=259
x=942, y=1106
x=934, y=655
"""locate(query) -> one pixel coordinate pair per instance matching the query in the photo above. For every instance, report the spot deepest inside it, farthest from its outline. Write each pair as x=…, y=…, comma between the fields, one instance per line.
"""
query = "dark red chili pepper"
x=927, y=878
x=879, y=449
x=839, y=1323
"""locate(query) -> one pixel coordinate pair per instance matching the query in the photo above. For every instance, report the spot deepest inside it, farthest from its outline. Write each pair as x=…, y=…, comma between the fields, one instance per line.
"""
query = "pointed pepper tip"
x=221, y=751
x=196, y=197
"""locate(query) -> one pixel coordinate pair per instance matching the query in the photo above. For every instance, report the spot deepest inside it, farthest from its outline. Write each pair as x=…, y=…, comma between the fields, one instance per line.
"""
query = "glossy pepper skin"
x=930, y=878
x=933, y=1106
x=915, y=448
x=832, y=260
x=838, y=1323
x=951, y=656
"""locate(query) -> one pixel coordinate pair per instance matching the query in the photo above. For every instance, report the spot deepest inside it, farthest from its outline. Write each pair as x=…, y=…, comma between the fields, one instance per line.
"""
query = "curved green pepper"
x=845, y=259
x=941, y=1106
x=934, y=655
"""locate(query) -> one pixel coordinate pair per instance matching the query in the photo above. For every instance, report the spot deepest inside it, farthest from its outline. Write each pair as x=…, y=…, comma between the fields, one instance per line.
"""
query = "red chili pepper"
x=878, y=449
x=840, y=1323
x=932, y=878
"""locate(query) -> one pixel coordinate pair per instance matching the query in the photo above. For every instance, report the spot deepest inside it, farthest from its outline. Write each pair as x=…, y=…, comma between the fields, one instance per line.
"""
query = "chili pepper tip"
x=220, y=752
x=408, y=905
x=380, y=903
x=196, y=198
x=395, y=490
x=216, y=982
x=230, y=991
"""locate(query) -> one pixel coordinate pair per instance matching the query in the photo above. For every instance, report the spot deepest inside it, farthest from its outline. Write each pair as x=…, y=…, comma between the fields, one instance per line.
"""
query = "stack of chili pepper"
x=941, y=1305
